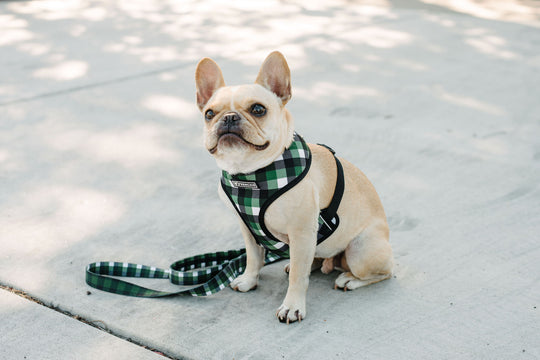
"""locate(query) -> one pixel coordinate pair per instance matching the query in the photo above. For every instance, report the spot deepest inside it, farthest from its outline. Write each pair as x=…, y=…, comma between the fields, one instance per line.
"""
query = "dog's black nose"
x=230, y=118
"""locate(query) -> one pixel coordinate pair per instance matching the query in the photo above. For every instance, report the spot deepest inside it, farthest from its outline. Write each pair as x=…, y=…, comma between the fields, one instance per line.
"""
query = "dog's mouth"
x=231, y=137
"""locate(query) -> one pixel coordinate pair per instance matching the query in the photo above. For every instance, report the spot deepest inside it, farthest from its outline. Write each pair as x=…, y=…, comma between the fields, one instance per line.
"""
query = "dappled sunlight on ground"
x=139, y=145
x=54, y=10
x=159, y=33
x=484, y=41
x=325, y=89
x=377, y=37
x=192, y=27
x=67, y=70
x=468, y=102
x=172, y=107
x=46, y=220
x=508, y=10
x=13, y=30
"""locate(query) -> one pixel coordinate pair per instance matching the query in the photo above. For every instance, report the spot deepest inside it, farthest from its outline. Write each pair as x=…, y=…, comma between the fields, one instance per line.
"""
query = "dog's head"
x=247, y=126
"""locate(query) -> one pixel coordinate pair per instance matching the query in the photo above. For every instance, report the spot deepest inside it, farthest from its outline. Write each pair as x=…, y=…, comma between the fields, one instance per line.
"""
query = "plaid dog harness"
x=251, y=194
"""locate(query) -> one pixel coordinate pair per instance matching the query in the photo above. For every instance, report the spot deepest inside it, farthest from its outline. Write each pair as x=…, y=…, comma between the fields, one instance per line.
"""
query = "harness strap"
x=331, y=211
x=212, y=272
x=328, y=216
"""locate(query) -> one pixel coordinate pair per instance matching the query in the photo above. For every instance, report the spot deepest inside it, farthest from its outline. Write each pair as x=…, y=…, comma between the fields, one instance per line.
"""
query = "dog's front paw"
x=291, y=313
x=244, y=283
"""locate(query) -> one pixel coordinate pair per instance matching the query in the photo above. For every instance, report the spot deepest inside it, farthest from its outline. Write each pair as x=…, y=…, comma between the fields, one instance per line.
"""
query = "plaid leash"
x=251, y=194
x=211, y=272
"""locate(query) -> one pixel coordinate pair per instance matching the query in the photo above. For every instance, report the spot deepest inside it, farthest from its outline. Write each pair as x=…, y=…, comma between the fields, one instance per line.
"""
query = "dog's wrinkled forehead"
x=242, y=97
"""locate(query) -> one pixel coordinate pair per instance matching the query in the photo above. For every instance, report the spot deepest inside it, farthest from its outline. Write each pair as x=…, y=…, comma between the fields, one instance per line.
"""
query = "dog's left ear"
x=276, y=76
x=208, y=78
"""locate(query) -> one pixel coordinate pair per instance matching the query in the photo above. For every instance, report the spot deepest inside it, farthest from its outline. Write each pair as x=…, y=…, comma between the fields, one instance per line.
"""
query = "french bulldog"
x=246, y=128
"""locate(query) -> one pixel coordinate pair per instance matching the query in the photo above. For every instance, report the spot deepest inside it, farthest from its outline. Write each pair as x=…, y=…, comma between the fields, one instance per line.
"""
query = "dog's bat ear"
x=276, y=76
x=208, y=78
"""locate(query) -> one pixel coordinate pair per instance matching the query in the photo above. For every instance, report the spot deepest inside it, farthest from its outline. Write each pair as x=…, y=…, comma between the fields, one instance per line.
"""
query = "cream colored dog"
x=263, y=129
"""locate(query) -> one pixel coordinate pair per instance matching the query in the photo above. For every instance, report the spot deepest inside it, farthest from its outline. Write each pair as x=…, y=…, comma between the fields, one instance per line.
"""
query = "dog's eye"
x=209, y=114
x=258, y=110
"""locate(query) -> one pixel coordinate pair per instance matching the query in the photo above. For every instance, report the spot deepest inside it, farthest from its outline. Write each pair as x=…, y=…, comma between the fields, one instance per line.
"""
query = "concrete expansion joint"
x=98, y=324
x=93, y=85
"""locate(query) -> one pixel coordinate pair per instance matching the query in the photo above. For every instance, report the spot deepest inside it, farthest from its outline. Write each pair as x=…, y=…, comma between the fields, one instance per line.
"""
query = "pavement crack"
x=93, y=85
x=98, y=324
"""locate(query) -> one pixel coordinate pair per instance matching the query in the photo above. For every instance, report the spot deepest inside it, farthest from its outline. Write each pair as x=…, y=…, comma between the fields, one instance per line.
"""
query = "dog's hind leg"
x=369, y=258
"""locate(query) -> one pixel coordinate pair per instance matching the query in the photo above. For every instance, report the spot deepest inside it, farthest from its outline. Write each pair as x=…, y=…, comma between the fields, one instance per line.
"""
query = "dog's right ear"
x=208, y=78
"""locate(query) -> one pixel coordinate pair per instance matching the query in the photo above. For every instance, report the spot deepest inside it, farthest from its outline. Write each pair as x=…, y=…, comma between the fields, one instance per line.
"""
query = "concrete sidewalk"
x=31, y=331
x=101, y=158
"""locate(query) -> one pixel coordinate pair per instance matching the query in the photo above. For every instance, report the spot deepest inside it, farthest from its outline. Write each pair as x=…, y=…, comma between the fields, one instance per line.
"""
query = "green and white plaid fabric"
x=251, y=194
x=211, y=273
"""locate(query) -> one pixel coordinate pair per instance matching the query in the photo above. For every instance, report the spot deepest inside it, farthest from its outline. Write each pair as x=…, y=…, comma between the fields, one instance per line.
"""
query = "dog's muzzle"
x=230, y=124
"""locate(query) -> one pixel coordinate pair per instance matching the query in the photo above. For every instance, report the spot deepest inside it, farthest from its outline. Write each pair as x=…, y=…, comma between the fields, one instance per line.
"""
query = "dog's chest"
x=253, y=194
x=265, y=200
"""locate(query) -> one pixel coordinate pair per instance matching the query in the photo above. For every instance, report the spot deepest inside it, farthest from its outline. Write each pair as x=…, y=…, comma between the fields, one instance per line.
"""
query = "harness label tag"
x=245, y=184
